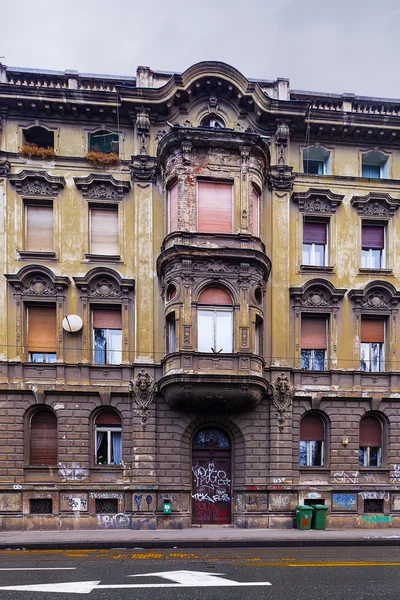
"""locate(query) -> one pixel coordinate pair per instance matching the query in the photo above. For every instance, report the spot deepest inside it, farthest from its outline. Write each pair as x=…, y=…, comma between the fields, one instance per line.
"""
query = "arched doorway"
x=211, y=477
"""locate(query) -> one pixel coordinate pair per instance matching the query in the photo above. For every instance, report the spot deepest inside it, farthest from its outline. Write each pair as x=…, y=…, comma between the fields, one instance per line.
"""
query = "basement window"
x=40, y=506
x=39, y=136
x=107, y=506
x=373, y=505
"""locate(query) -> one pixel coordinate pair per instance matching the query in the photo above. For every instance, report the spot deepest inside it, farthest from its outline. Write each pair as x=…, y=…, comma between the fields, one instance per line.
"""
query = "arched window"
x=370, y=442
x=375, y=165
x=215, y=321
x=104, y=141
x=39, y=136
x=43, y=438
x=213, y=122
x=316, y=161
x=312, y=437
x=108, y=438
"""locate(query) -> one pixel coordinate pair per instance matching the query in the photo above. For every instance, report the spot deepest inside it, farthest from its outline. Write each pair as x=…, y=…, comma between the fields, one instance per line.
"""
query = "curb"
x=151, y=545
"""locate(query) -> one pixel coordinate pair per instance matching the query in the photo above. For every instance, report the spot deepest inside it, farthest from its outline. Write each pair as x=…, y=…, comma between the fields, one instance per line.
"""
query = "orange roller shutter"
x=104, y=231
x=42, y=329
x=39, y=228
x=313, y=333
x=214, y=207
x=173, y=208
x=215, y=296
x=107, y=319
x=43, y=447
x=373, y=330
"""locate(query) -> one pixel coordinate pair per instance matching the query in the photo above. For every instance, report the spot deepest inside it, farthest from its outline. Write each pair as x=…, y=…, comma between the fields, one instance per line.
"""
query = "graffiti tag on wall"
x=211, y=484
x=344, y=502
x=343, y=477
x=72, y=472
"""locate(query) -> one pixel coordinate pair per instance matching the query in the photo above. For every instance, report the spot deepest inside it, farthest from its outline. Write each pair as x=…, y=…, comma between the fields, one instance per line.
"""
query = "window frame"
x=366, y=463
x=218, y=182
x=107, y=351
x=29, y=415
x=378, y=159
x=325, y=159
x=109, y=429
x=112, y=207
x=318, y=316
x=104, y=130
x=312, y=263
x=215, y=310
x=36, y=202
x=383, y=252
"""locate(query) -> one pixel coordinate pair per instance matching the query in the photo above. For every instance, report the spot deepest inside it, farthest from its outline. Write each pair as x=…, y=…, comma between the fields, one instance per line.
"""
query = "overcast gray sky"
x=320, y=45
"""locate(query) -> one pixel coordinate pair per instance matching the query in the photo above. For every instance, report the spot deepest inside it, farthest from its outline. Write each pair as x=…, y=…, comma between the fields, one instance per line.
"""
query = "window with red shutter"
x=43, y=438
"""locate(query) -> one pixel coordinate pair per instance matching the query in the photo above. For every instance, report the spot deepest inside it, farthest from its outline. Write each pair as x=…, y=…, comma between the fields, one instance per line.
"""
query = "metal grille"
x=108, y=505
x=373, y=506
x=40, y=507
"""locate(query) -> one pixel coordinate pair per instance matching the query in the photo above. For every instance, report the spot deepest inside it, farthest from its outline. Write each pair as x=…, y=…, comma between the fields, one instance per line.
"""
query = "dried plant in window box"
x=101, y=159
x=34, y=151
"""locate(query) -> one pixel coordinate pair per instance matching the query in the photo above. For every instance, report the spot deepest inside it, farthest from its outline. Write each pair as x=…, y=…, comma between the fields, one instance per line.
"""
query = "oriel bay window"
x=108, y=442
x=173, y=208
x=313, y=343
x=214, y=207
x=312, y=436
x=107, y=336
x=373, y=246
x=42, y=342
x=315, y=243
x=370, y=442
x=372, y=344
x=104, y=238
x=39, y=227
x=215, y=321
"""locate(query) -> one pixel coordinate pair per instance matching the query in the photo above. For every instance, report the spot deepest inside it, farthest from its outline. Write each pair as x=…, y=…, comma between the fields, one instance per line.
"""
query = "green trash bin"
x=304, y=516
x=319, y=516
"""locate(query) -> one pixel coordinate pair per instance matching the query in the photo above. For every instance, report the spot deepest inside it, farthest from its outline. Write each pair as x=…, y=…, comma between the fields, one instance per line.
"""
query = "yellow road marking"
x=328, y=564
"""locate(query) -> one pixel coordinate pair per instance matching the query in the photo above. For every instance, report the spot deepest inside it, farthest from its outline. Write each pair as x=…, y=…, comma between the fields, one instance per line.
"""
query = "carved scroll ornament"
x=282, y=398
x=143, y=395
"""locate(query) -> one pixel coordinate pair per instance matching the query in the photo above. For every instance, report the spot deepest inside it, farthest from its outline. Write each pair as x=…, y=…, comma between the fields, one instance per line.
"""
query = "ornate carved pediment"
x=143, y=394
x=317, y=294
x=319, y=201
x=375, y=204
x=376, y=296
x=36, y=280
x=143, y=168
x=97, y=186
x=104, y=284
x=280, y=178
x=37, y=183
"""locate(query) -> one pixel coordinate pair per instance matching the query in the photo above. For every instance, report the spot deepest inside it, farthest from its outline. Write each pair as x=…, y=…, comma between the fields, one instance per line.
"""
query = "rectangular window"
x=315, y=243
x=42, y=344
x=372, y=345
x=258, y=336
x=311, y=453
x=173, y=208
x=313, y=343
x=314, y=167
x=39, y=227
x=104, y=230
x=371, y=171
x=214, y=207
x=215, y=330
x=373, y=246
x=108, y=445
x=107, y=331
x=171, y=333
x=370, y=456
x=256, y=212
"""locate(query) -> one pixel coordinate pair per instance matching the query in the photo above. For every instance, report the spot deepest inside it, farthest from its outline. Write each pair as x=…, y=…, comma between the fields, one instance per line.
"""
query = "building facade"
x=200, y=298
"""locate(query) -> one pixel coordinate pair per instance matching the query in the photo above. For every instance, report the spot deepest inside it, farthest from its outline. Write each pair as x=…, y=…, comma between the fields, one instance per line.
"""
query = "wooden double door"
x=211, y=478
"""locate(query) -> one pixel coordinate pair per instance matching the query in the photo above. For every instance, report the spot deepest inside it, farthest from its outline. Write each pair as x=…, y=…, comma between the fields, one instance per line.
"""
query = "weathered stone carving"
x=282, y=137
x=280, y=178
x=215, y=266
x=35, y=280
x=99, y=186
x=282, y=398
x=377, y=296
x=317, y=201
x=143, y=395
x=4, y=167
x=143, y=130
x=376, y=204
x=37, y=183
x=316, y=294
x=143, y=168
x=39, y=286
x=104, y=288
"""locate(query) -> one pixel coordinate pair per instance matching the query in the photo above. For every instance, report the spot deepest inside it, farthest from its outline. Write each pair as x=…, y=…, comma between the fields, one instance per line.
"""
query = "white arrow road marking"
x=180, y=578
x=190, y=578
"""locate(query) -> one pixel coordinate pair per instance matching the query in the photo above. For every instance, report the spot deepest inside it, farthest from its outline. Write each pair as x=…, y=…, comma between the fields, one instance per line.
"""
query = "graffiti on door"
x=211, y=484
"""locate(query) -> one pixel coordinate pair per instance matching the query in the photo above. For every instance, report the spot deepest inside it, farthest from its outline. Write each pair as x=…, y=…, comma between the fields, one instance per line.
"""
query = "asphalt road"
x=250, y=574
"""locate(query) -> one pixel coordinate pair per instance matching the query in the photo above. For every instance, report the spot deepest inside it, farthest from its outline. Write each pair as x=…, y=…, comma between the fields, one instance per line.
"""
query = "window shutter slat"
x=104, y=231
x=42, y=329
x=39, y=228
x=373, y=331
x=107, y=318
x=215, y=296
x=373, y=236
x=314, y=233
x=173, y=208
x=214, y=207
x=256, y=212
x=313, y=333
x=312, y=429
x=43, y=443
x=370, y=432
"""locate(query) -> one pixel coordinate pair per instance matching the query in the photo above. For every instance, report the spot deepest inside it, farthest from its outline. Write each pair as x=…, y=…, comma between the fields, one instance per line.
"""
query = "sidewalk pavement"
x=196, y=537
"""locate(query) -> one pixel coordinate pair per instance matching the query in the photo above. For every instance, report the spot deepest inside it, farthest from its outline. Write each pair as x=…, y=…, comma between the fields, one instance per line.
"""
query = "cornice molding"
x=36, y=183
x=99, y=186
x=319, y=201
x=375, y=204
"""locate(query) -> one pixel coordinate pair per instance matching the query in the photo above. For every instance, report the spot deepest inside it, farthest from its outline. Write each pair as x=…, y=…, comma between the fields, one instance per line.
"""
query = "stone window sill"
x=316, y=269
x=114, y=258
x=35, y=255
x=363, y=271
